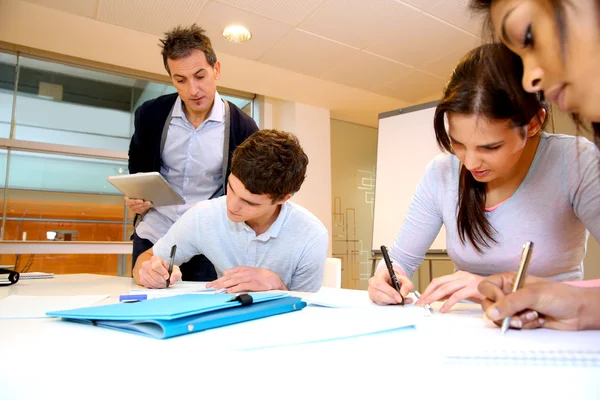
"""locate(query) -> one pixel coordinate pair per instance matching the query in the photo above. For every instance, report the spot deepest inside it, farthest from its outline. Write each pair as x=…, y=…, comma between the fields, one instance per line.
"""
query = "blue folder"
x=167, y=317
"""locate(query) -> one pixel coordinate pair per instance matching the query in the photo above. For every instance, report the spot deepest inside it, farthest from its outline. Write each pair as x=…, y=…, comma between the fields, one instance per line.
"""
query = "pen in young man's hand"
x=172, y=259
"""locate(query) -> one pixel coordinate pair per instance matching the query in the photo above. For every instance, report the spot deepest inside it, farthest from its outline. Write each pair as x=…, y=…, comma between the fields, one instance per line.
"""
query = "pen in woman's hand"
x=520, y=278
x=390, y=268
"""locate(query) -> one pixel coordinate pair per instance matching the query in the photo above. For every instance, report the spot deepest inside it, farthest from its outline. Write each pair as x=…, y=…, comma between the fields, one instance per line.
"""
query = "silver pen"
x=520, y=278
x=427, y=306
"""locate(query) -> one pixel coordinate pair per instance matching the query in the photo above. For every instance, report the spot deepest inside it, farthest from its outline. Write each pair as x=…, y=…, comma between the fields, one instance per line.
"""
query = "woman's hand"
x=460, y=285
x=540, y=303
x=381, y=290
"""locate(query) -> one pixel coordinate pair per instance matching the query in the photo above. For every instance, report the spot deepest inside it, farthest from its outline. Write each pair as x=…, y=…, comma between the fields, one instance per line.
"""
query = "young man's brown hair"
x=180, y=42
x=270, y=162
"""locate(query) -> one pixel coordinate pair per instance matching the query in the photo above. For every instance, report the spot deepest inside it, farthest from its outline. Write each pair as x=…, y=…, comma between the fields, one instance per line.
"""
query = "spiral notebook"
x=28, y=275
x=574, y=358
x=37, y=275
x=477, y=341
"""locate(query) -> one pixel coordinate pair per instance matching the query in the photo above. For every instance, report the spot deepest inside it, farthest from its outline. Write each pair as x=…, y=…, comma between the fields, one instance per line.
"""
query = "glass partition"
x=71, y=129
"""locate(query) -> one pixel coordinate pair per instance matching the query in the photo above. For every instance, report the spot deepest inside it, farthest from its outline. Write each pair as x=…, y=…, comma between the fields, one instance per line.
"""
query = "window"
x=66, y=131
x=8, y=64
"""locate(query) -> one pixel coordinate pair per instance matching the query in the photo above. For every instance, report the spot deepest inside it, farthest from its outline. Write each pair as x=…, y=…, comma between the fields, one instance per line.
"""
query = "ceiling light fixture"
x=236, y=34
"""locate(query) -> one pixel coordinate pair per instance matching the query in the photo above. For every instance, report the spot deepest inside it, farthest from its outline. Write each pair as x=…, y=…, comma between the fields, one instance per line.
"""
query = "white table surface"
x=48, y=358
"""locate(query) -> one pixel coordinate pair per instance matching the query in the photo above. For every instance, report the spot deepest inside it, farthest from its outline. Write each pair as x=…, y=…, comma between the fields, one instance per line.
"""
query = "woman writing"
x=559, y=43
x=499, y=186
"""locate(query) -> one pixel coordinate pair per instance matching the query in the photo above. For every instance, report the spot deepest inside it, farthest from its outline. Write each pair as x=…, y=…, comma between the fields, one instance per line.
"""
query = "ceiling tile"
x=85, y=8
x=400, y=49
x=150, y=16
x=307, y=53
x=365, y=71
x=358, y=23
x=288, y=11
x=445, y=65
x=455, y=12
x=266, y=33
x=422, y=39
x=413, y=87
x=427, y=99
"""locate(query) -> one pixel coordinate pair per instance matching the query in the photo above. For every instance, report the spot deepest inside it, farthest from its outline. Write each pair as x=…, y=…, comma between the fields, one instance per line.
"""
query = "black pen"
x=173, y=249
x=390, y=268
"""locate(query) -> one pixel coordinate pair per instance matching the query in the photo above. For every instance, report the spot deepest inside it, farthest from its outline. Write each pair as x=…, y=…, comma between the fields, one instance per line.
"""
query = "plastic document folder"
x=167, y=317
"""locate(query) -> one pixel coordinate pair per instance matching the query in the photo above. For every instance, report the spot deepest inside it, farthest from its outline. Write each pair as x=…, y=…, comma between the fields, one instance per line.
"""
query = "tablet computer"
x=149, y=186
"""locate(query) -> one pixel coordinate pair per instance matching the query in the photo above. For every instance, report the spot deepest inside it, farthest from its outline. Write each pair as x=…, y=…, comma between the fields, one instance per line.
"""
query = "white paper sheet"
x=346, y=298
x=312, y=324
x=178, y=288
x=340, y=298
x=467, y=340
x=17, y=306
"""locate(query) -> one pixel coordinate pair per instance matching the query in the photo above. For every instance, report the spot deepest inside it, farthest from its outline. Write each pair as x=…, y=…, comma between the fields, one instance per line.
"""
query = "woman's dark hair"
x=484, y=83
x=558, y=6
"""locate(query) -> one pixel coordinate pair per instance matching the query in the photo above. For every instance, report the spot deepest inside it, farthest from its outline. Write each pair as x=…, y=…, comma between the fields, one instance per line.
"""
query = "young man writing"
x=256, y=239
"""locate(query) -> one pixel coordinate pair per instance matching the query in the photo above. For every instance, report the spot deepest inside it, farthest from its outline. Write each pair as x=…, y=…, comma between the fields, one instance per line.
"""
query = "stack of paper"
x=176, y=289
x=340, y=298
x=346, y=298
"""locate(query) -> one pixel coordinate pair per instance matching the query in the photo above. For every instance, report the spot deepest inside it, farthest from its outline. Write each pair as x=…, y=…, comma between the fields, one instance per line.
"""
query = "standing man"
x=189, y=137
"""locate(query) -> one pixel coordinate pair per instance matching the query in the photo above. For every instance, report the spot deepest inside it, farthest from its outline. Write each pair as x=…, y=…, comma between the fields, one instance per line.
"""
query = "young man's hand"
x=154, y=273
x=248, y=279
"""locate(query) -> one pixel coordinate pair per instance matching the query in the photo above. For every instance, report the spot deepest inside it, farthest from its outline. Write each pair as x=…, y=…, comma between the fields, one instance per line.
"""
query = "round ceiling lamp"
x=237, y=34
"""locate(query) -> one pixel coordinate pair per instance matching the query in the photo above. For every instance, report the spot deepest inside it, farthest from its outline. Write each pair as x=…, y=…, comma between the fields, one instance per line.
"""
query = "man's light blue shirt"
x=294, y=247
x=192, y=163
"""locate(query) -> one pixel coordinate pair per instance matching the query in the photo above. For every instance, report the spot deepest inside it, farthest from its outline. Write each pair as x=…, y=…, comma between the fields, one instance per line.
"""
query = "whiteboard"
x=405, y=145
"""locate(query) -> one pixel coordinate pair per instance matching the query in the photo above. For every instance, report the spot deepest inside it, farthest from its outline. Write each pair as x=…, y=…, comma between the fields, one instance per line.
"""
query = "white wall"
x=312, y=127
x=314, y=131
